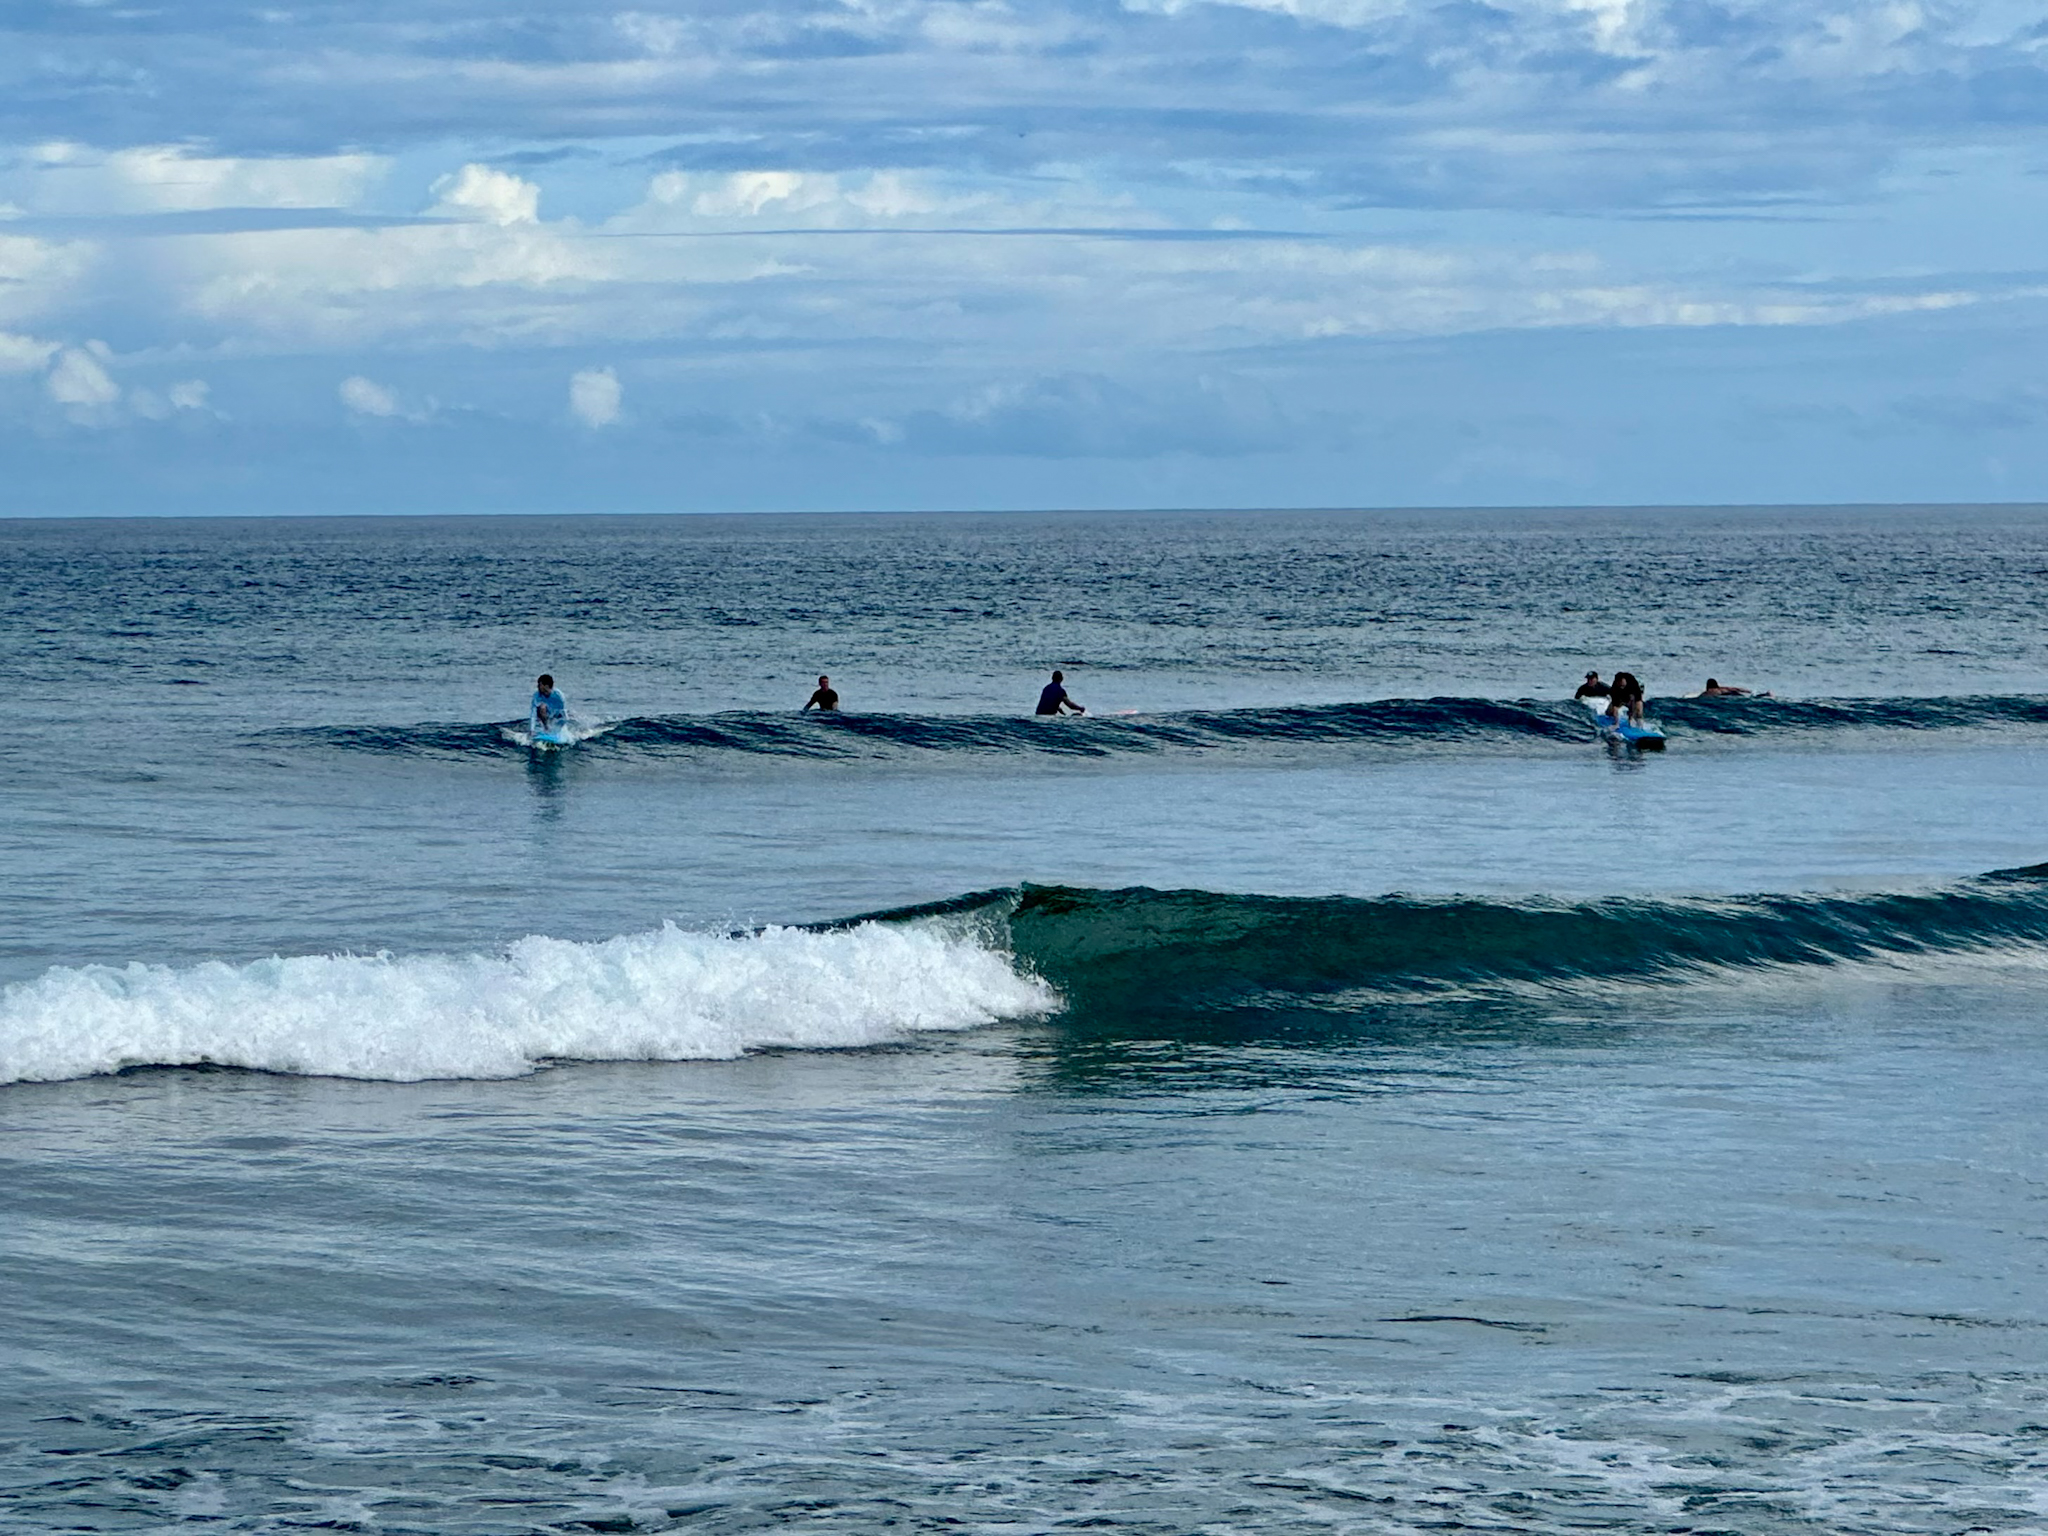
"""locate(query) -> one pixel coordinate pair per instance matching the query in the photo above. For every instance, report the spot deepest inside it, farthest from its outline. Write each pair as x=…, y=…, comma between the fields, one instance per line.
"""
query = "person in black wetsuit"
x=1625, y=693
x=1591, y=688
x=1053, y=697
x=825, y=696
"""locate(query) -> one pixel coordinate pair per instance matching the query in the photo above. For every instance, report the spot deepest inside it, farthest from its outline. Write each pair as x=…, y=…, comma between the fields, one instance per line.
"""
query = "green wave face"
x=1143, y=956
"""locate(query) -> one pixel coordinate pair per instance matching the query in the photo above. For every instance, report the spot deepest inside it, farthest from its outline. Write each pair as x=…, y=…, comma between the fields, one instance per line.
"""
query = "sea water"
x=1325, y=1088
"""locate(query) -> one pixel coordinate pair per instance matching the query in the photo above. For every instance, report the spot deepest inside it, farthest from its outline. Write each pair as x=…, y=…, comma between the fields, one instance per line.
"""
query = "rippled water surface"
x=1324, y=1089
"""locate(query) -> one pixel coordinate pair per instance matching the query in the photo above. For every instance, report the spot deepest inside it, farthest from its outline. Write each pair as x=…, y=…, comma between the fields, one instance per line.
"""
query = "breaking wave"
x=669, y=995
x=1110, y=962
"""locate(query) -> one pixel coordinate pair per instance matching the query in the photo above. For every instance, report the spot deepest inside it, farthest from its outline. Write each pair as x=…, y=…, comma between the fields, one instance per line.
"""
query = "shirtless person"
x=1053, y=698
x=1720, y=690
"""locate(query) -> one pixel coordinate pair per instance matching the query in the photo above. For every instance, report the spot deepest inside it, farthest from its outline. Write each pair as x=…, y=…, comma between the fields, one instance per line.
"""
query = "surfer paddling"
x=1717, y=689
x=1053, y=697
x=550, y=709
x=824, y=696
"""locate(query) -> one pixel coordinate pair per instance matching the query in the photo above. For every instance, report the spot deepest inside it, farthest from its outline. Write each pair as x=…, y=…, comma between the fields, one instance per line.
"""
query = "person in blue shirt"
x=1053, y=697
x=550, y=709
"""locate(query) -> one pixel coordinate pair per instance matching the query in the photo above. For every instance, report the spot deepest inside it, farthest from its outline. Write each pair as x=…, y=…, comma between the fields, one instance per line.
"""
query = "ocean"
x=1325, y=1088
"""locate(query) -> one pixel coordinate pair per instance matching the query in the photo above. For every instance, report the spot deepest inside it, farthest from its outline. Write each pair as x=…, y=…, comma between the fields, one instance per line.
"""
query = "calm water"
x=1324, y=1089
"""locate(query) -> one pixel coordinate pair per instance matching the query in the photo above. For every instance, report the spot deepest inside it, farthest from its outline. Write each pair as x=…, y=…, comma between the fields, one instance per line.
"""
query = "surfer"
x=1591, y=688
x=550, y=709
x=1625, y=693
x=1053, y=697
x=824, y=696
x=1716, y=689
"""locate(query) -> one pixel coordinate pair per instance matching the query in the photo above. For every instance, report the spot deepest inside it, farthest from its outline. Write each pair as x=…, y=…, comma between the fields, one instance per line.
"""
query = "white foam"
x=576, y=729
x=672, y=995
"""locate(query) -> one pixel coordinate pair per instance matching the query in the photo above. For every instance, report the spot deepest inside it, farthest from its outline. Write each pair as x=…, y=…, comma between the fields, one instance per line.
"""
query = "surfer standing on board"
x=1052, y=698
x=550, y=709
x=824, y=696
x=1625, y=693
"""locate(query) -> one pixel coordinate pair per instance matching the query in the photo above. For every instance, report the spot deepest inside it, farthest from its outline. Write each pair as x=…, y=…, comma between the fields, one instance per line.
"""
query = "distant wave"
x=1460, y=722
x=1135, y=962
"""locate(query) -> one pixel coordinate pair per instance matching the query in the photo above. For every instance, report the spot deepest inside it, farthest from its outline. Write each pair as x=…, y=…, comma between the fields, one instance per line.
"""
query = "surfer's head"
x=545, y=683
x=1059, y=677
x=824, y=681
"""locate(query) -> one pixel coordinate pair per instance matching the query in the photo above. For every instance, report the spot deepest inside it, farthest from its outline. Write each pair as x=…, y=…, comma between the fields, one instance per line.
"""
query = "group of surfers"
x=550, y=710
x=1625, y=692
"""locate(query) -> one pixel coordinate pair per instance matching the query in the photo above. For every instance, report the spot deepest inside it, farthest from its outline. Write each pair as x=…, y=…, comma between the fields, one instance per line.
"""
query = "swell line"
x=1394, y=723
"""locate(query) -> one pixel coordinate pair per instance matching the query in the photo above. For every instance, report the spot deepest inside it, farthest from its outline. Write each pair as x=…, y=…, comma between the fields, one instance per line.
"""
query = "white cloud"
x=23, y=354
x=594, y=396
x=37, y=275
x=494, y=197
x=63, y=178
x=657, y=36
x=366, y=398
x=188, y=395
x=79, y=380
x=825, y=200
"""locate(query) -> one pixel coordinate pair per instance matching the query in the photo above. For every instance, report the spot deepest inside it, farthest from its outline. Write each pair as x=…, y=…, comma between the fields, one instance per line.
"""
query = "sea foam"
x=671, y=995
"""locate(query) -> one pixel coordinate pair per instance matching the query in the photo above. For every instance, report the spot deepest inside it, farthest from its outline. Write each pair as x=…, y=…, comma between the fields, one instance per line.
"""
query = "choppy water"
x=1324, y=1089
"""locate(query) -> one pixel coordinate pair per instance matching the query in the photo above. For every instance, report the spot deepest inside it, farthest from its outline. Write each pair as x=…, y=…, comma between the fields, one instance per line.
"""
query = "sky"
x=740, y=255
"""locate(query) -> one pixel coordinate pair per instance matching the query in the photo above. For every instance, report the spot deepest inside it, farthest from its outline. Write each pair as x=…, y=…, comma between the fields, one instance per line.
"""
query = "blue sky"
x=825, y=254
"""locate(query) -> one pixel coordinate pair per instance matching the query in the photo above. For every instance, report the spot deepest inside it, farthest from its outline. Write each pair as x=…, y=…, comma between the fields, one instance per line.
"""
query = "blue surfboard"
x=1626, y=731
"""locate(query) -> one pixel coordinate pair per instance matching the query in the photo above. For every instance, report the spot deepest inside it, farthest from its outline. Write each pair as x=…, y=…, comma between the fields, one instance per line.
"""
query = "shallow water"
x=1669, y=1158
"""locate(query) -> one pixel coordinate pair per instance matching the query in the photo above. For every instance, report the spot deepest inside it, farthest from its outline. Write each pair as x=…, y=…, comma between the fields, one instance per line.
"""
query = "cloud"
x=594, y=397
x=188, y=396
x=495, y=197
x=79, y=380
x=24, y=354
x=366, y=398
x=65, y=178
x=1085, y=415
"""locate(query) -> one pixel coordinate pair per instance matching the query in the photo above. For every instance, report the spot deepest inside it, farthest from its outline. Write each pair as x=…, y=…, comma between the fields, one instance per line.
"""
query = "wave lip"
x=670, y=995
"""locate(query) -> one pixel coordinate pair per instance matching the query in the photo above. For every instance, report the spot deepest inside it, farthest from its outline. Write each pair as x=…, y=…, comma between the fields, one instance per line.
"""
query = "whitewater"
x=662, y=996
x=1325, y=1088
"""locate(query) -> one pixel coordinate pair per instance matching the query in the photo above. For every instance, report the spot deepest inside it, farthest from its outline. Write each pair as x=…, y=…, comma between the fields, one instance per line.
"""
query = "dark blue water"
x=1324, y=1088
